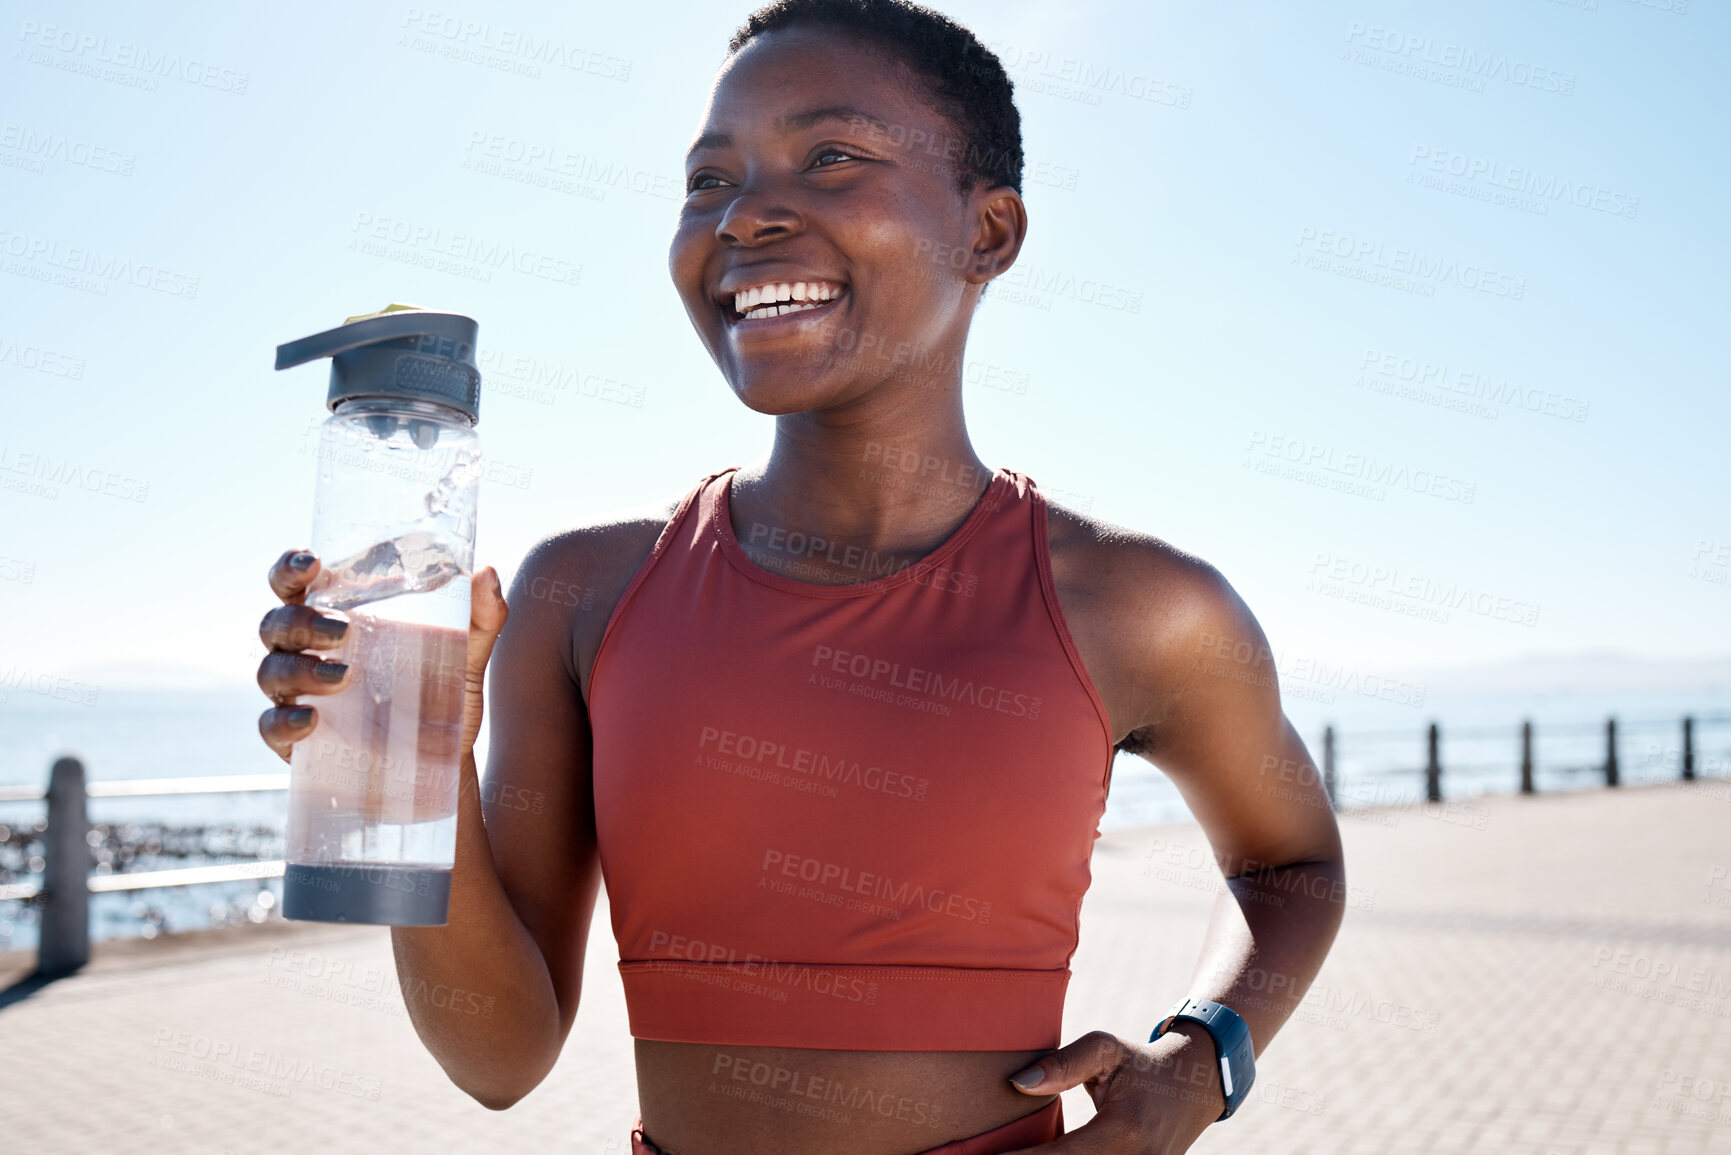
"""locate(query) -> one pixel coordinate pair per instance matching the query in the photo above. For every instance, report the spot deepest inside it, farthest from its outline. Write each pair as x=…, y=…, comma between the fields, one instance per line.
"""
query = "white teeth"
x=778, y=299
x=773, y=310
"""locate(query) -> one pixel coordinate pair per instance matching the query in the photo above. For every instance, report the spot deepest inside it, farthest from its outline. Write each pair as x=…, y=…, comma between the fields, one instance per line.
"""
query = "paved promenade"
x=1546, y=975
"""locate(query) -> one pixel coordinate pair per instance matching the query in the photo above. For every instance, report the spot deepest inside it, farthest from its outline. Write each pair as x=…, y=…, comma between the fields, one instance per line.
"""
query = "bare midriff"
x=705, y=1099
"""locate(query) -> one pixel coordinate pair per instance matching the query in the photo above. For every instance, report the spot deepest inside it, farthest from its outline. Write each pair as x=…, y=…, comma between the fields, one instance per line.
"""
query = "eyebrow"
x=796, y=121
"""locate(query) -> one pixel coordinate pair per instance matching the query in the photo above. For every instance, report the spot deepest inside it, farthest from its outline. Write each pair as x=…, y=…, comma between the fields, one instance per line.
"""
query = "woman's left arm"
x=1204, y=679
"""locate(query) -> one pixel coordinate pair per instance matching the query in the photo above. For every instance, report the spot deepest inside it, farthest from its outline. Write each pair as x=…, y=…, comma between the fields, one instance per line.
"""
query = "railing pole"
x=1610, y=752
x=1688, y=748
x=1433, y=769
x=65, y=942
x=1527, y=757
x=1328, y=765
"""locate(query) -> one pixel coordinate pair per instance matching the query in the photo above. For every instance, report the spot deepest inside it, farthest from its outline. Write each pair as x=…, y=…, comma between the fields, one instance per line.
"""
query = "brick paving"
x=1544, y=975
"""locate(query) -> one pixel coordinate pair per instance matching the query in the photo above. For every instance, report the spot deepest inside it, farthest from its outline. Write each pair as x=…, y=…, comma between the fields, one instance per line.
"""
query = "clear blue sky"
x=1544, y=183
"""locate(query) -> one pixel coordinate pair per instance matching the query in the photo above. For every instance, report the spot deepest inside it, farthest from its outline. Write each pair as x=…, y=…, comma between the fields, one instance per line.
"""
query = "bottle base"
x=374, y=893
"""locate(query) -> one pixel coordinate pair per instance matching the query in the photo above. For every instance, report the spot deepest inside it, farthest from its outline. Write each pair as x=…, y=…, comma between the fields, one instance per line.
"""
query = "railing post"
x=1688, y=748
x=1328, y=765
x=1611, y=752
x=1433, y=769
x=65, y=942
x=1527, y=756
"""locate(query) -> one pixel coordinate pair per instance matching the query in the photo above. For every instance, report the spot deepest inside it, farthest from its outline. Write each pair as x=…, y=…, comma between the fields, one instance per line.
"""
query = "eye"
x=702, y=182
x=840, y=154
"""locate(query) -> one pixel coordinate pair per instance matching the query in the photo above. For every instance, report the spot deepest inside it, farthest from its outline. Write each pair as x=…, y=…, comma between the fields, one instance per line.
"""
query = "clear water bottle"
x=372, y=820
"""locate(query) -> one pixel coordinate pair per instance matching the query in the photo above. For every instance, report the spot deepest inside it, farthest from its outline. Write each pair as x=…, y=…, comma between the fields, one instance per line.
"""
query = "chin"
x=777, y=394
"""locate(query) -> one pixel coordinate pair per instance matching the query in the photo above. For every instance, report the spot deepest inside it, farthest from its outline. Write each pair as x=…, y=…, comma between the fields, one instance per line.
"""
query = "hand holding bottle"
x=300, y=639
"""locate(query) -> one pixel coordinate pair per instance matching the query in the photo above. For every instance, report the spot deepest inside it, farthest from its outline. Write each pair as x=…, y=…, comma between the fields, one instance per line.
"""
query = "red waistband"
x=845, y=1008
x=1041, y=1126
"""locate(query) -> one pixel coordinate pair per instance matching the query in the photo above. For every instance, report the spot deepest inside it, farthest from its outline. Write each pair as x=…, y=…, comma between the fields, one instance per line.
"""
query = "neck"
x=894, y=475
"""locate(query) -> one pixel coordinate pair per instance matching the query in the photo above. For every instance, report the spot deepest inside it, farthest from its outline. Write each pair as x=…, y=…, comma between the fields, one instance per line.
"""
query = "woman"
x=838, y=728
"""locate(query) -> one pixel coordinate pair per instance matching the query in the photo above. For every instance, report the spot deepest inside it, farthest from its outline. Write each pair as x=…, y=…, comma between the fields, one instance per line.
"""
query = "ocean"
x=1380, y=754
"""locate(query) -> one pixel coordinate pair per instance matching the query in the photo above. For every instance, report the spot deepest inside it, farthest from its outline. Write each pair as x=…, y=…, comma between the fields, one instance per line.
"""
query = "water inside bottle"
x=376, y=782
x=417, y=562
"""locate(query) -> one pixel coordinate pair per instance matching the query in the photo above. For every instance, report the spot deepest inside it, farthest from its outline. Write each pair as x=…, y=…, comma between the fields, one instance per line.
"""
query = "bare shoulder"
x=1133, y=574
x=571, y=580
x=597, y=551
x=1142, y=612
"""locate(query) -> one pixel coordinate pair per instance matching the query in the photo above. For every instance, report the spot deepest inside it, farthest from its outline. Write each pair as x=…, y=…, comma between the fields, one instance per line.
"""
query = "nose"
x=754, y=218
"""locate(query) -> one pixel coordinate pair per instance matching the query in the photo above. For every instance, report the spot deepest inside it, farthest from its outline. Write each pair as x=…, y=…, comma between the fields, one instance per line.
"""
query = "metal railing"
x=1609, y=767
x=67, y=883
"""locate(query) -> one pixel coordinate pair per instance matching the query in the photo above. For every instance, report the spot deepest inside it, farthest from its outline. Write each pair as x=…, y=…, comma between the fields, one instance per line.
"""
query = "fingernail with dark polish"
x=331, y=671
x=301, y=561
x=331, y=629
x=300, y=715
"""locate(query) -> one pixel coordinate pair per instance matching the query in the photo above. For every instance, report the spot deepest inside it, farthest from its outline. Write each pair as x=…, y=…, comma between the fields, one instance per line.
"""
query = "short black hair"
x=964, y=78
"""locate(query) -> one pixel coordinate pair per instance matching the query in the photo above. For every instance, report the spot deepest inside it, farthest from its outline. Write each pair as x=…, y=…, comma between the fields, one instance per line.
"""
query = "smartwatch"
x=1232, y=1044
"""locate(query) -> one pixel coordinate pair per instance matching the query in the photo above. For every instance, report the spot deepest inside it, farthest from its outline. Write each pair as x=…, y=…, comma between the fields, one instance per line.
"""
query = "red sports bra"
x=853, y=817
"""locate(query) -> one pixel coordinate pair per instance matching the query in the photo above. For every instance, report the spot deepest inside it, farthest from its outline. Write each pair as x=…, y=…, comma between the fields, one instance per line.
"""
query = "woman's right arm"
x=494, y=992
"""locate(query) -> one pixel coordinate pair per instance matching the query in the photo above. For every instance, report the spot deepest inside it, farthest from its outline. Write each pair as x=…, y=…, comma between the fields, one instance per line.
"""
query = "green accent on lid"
x=393, y=307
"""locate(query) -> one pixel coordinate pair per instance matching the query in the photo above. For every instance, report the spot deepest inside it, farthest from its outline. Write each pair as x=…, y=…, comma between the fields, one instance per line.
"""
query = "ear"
x=1001, y=224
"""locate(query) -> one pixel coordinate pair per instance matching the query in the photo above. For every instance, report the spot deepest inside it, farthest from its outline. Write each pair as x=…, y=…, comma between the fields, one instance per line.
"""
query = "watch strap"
x=1232, y=1044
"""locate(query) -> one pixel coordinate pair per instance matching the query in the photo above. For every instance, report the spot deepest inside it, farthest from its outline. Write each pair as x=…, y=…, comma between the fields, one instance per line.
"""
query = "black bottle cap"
x=401, y=351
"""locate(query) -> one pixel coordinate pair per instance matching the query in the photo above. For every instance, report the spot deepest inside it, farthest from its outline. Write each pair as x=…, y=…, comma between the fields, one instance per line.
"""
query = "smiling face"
x=824, y=245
